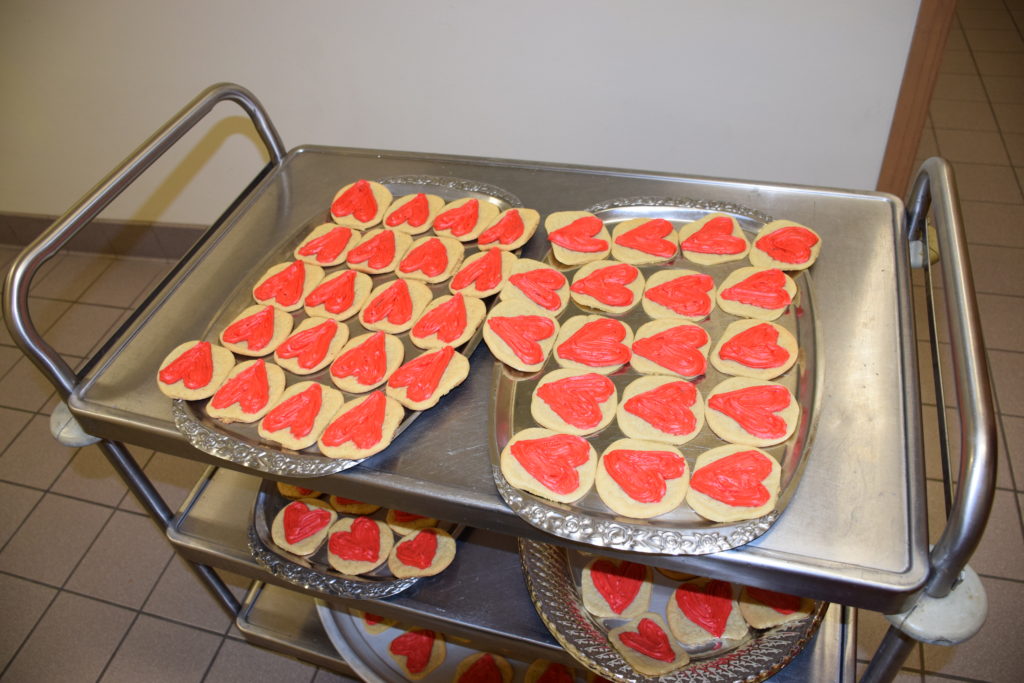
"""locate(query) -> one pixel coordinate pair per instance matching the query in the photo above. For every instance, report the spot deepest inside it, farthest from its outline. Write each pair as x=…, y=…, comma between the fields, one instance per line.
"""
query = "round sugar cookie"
x=431, y=259
x=752, y=412
x=256, y=331
x=713, y=239
x=339, y=296
x=607, y=286
x=194, y=370
x=757, y=349
x=641, y=479
x=348, y=506
x=404, y=523
x=661, y=408
x=679, y=293
x=732, y=483
x=417, y=652
x=326, y=245
x=421, y=382
x=374, y=624
x=425, y=552
x=464, y=219
x=357, y=545
x=366, y=362
x=644, y=240
x=249, y=391
x=509, y=230
x=448, y=320
x=573, y=401
x=785, y=245
x=412, y=213
x=293, y=492
x=545, y=671
x=577, y=237
x=761, y=293
x=393, y=306
x=704, y=611
x=297, y=419
x=671, y=346
x=378, y=251
x=286, y=285
x=593, y=342
x=361, y=204
x=484, y=273
x=519, y=336
x=537, y=284
x=483, y=666
x=646, y=645
x=312, y=346
x=615, y=589
x=361, y=427
x=558, y=467
x=763, y=608
x=301, y=526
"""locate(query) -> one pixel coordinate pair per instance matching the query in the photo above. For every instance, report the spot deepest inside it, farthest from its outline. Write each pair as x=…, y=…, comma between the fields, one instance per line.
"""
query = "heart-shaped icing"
x=255, y=330
x=505, y=231
x=685, y=295
x=540, y=286
x=708, y=606
x=297, y=413
x=642, y=474
x=522, y=333
x=416, y=647
x=367, y=362
x=715, y=237
x=250, y=389
x=429, y=257
x=336, y=294
x=402, y=517
x=422, y=375
x=357, y=201
x=377, y=252
x=579, y=235
x=553, y=460
x=556, y=672
x=414, y=212
x=362, y=425
x=754, y=408
x=578, y=399
x=617, y=582
x=735, y=479
x=755, y=347
x=791, y=244
x=764, y=289
x=361, y=543
x=302, y=521
x=483, y=670
x=783, y=603
x=194, y=367
x=285, y=286
x=327, y=247
x=311, y=345
x=419, y=551
x=609, y=284
x=459, y=221
x=394, y=304
x=597, y=343
x=676, y=349
x=484, y=273
x=649, y=238
x=666, y=408
x=447, y=321
x=649, y=640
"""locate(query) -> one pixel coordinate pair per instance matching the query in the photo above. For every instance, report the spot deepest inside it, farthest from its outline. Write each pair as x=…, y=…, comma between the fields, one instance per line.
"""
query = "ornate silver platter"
x=682, y=531
x=241, y=444
x=315, y=572
x=553, y=579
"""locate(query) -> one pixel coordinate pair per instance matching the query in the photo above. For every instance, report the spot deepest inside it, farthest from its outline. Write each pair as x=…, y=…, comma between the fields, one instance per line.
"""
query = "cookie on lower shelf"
x=302, y=525
x=374, y=624
x=703, y=611
x=558, y=467
x=357, y=545
x=426, y=552
x=248, y=393
x=544, y=671
x=645, y=644
x=194, y=370
x=763, y=608
x=292, y=491
x=348, y=506
x=483, y=667
x=404, y=523
x=615, y=589
x=417, y=652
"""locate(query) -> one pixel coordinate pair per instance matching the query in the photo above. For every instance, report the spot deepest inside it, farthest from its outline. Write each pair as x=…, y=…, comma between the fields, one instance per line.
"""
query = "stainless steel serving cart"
x=854, y=533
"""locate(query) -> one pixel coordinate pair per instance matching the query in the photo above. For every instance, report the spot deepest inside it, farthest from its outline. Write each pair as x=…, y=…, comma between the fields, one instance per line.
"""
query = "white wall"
x=791, y=90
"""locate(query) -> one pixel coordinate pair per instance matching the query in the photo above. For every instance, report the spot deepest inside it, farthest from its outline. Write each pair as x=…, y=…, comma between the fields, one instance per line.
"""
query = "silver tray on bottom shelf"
x=682, y=531
x=241, y=443
x=553, y=577
x=315, y=572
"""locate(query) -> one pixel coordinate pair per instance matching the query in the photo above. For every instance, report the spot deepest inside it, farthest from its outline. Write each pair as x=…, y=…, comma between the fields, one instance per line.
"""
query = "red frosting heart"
x=755, y=347
x=676, y=349
x=194, y=366
x=336, y=294
x=429, y=258
x=250, y=389
x=255, y=330
x=418, y=551
x=377, y=252
x=361, y=543
x=447, y=321
x=483, y=670
x=553, y=460
x=393, y=304
x=579, y=235
x=642, y=474
x=367, y=362
x=505, y=231
x=302, y=521
x=597, y=343
x=414, y=212
x=540, y=286
x=557, y=673
x=328, y=246
x=666, y=408
x=363, y=425
x=578, y=399
x=650, y=640
x=484, y=273
x=357, y=201
x=422, y=374
x=522, y=333
x=609, y=284
x=783, y=603
x=791, y=244
x=708, y=606
x=649, y=238
x=735, y=479
x=715, y=237
x=298, y=413
x=686, y=295
x=285, y=286
x=459, y=221
x=754, y=408
x=416, y=647
x=764, y=289
x=311, y=345
x=618, y=583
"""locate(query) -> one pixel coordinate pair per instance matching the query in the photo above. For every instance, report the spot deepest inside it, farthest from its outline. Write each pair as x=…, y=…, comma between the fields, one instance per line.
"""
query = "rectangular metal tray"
x=863, y=482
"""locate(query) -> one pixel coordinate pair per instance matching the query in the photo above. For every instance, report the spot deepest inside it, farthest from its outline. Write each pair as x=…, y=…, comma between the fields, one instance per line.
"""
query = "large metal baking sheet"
x=854, y=531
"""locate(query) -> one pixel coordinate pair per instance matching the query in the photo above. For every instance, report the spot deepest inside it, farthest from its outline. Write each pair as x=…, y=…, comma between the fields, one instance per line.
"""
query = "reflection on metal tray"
x=682, y=531
x=553, y=579
x=240, y=443
x=315, y=572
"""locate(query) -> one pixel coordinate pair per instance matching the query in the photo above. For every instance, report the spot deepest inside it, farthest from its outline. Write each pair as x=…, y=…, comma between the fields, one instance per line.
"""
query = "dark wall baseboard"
x=121, y=238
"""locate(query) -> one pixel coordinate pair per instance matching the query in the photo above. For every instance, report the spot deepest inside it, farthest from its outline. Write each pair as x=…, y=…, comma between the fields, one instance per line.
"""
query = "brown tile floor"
x=142, y=616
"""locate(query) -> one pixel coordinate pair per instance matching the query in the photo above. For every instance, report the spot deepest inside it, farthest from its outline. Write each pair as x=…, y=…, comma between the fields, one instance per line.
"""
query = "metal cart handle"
x=45, y=246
